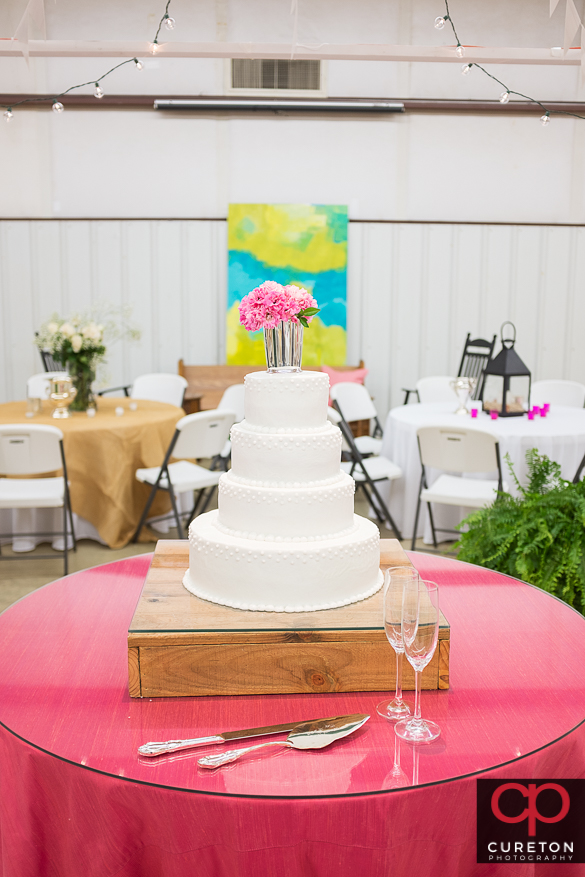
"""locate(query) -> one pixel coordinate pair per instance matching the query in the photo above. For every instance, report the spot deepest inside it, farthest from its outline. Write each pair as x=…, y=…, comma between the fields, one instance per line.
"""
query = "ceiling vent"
x=248, y=74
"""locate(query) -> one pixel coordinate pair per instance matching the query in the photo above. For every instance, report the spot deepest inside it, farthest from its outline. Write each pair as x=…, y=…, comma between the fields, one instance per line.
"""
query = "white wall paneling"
x=414, y=291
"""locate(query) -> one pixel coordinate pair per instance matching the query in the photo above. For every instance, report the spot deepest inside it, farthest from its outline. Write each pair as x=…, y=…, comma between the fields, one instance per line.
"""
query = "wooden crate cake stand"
x=182, y=646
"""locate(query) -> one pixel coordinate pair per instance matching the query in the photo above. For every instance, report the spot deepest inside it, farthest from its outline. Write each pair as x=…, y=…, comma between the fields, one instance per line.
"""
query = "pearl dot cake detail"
x=285, y=537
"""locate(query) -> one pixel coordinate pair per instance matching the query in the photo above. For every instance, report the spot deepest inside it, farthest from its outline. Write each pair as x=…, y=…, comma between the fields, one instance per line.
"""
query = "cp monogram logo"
x=531, y=791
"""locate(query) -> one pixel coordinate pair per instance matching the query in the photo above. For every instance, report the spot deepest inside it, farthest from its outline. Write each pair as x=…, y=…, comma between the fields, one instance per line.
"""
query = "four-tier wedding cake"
x=285, y=537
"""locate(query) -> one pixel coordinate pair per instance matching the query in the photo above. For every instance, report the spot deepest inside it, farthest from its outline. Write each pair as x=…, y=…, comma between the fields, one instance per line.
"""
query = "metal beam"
x=232, y=104
x=364, y=52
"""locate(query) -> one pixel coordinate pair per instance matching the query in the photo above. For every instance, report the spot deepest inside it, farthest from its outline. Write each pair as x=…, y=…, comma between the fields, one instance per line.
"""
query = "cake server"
x=151, y=749
x=310, y=735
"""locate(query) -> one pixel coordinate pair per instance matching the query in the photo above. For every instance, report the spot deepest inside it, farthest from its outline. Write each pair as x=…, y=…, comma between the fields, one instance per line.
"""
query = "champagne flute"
x=395, y=580
x=420, y=632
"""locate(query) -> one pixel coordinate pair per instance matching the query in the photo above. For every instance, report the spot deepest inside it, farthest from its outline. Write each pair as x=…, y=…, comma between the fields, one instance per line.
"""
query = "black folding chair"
x=476, y=355
x=579, y=471
x=50, y=364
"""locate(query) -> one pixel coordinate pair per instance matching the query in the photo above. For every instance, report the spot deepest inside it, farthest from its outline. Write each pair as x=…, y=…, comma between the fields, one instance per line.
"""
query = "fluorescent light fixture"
x=269, y=105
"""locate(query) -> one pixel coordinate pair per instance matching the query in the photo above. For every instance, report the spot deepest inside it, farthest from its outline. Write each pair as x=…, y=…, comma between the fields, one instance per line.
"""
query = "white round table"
x=560, y=435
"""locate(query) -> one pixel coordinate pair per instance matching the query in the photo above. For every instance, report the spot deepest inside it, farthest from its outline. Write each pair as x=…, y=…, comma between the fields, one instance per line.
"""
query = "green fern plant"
x=538, y=536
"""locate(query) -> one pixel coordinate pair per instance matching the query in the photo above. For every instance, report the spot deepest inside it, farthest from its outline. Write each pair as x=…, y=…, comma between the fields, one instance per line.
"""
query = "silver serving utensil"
x=311, y=735
x=152, y=749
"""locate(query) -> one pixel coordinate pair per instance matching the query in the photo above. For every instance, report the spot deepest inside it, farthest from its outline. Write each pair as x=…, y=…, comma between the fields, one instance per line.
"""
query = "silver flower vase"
x=284, y=347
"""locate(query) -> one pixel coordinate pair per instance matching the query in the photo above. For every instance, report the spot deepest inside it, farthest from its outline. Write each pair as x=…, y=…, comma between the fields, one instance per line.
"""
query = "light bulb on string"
x=545, y=120
x=504, y=97
x=460, y=51
x=8, y=115
x=98, y=92
x=154, y=47
x=465, y=69
x=440, y=22
x=139, y=64
x=170, y=23
x=58, y=106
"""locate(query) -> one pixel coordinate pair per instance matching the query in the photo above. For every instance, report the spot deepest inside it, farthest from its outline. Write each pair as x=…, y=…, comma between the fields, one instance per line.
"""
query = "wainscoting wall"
x=414, y=291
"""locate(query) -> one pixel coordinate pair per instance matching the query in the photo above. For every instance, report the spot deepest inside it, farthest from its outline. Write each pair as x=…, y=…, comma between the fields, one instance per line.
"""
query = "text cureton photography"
x=530, y=820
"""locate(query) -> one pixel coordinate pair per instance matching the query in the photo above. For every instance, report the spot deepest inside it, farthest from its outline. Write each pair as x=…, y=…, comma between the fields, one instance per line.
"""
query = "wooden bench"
x=207, y=383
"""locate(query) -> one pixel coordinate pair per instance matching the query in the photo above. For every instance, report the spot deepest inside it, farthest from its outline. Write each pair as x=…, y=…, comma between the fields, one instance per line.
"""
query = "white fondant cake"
x=285, y=537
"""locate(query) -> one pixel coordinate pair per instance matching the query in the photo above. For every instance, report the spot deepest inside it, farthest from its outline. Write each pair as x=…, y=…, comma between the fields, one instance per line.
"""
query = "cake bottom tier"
x=283, y=576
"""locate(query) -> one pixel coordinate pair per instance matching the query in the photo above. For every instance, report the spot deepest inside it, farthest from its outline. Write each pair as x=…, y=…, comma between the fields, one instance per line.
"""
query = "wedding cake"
x=285, y=537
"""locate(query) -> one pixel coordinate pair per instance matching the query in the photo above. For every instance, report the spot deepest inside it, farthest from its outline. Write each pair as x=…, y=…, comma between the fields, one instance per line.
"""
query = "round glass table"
x=77, y=798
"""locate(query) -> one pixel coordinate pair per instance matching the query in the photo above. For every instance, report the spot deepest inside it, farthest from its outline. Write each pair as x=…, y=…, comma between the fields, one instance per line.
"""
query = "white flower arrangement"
x=82, y=338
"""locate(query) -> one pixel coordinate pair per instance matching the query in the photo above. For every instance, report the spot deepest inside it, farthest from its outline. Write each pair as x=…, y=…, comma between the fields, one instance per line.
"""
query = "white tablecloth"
x=560, y=435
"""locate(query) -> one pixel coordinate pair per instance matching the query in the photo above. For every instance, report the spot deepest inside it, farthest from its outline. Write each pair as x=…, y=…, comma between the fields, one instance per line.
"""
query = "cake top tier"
x=277, y=401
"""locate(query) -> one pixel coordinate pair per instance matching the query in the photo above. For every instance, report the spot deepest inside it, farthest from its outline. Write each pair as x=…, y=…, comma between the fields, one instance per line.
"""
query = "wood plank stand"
x=182, y=646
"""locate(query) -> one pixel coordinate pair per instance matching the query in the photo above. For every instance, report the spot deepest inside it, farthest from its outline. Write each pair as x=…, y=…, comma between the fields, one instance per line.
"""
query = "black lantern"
x=506, y=383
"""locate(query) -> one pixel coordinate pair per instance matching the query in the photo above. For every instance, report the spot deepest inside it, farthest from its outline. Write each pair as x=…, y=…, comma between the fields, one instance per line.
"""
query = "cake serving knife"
x=152, y=749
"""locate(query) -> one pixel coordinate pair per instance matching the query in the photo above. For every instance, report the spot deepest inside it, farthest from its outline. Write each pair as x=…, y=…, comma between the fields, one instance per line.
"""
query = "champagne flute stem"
x=417, y=677
x=398, y=695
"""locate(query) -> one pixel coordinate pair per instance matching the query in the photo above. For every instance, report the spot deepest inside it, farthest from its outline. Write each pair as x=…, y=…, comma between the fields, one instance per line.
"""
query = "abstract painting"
x=303, y=244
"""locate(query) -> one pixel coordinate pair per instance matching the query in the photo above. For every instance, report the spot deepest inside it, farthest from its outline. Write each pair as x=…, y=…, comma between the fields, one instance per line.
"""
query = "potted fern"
x=538, y=536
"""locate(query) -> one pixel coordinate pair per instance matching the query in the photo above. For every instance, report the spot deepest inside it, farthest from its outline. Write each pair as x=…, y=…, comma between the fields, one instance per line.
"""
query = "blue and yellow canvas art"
x=302, y=244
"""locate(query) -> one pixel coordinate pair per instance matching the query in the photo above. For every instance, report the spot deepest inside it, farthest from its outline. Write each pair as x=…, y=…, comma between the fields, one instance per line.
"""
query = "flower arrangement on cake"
x=282, y=312
x=271, y=303
x=78, y=343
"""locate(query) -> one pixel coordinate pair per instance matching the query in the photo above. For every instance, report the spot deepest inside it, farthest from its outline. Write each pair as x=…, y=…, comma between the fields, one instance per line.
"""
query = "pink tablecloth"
x=76, y=800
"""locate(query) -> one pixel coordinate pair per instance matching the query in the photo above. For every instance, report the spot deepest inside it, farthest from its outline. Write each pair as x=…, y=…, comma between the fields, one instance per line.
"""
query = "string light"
x=58, y=107
x=505, y=95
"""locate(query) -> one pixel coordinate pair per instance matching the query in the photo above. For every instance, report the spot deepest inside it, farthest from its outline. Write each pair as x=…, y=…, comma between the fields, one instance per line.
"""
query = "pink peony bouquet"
x=270, y=303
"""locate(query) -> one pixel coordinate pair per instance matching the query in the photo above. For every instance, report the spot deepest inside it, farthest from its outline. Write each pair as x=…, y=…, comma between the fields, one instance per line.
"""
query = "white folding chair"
x=39, y=386
x=568, y=393
x=232, y=400
x=436, y=389
x=367, y=472
x=35, y=450
x=199, y=435
x=355, y=403
x=457, y=450
x=158, y=387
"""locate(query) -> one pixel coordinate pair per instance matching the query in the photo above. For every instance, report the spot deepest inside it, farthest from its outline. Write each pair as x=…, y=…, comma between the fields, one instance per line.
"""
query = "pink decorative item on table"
x=474, y=412
x=543, y=412
x=531, y=415
x=494, y=415
x=547, y=407
x=535, y=409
